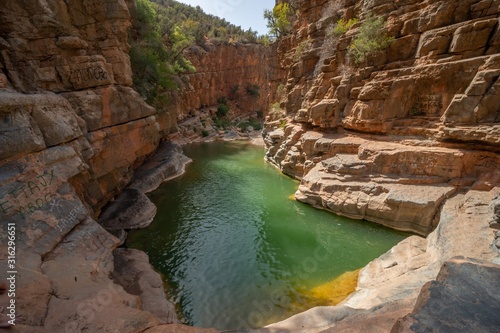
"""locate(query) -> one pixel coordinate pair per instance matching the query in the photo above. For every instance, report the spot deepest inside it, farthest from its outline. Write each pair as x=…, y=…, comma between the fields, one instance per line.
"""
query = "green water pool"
x=236, y=251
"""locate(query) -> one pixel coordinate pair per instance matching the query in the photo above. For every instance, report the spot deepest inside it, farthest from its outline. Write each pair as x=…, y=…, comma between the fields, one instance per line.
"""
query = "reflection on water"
x=236, y=251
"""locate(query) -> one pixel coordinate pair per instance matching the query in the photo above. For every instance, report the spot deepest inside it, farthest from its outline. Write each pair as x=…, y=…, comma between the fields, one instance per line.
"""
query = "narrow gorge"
x=406, y=136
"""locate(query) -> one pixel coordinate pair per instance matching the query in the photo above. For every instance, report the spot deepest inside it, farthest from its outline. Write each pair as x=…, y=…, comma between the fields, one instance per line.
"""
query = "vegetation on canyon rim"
x=162, y=31
x=278, y=20
x=371, y=37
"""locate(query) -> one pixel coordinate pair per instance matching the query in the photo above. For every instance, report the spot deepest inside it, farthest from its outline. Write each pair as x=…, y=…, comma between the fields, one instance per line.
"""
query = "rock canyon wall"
x=408, y=138
x=390, y=138
x=72, y=133
x=234, y=72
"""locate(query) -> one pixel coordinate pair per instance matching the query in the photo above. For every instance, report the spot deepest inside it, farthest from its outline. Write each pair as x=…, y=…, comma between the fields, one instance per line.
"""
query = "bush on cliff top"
x=156, y=54
x=202, y=27
x=278, y=20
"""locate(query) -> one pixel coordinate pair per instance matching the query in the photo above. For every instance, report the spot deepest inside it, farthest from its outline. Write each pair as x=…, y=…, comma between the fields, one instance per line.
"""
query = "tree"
x=278, y=20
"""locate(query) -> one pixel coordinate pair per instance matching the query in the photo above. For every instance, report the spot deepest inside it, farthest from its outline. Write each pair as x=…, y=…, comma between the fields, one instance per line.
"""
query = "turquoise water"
x=236, y=251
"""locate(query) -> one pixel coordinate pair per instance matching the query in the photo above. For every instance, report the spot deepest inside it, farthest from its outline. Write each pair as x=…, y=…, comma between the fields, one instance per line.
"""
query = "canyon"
x=409, y=139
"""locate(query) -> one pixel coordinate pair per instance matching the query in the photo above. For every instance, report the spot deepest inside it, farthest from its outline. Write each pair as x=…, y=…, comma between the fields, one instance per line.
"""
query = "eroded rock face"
x=407, y=138
x=134, y=272
x=237, y=72
x=72, y=132
x=234, y=72
x=436, y=84
x=451, y=302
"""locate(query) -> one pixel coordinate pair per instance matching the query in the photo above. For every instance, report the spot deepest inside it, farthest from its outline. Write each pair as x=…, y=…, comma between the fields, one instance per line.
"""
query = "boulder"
x=461, y=299
x=131, y=210
x=136, y=275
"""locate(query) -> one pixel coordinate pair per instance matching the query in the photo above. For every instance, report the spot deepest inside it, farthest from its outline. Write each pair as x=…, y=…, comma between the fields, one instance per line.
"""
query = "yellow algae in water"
x=292, y=197
x=335, y=291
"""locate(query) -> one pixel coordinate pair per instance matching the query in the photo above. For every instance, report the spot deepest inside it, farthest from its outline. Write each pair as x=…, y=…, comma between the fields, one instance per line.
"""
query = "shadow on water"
x=236, y=252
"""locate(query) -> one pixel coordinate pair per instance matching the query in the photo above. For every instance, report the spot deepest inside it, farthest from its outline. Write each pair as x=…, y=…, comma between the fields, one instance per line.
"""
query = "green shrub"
x=275, y=106
x=222, y=110
x=253, y=90
x=342, y=26
x=257, y=125
x=278, y=20
x=155, y=64
x=221, y=122
x=371, y=37
x=196, y=24
x=205, y=133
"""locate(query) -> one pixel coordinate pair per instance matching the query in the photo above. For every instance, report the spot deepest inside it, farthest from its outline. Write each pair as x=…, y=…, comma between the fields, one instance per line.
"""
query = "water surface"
x=236, y=251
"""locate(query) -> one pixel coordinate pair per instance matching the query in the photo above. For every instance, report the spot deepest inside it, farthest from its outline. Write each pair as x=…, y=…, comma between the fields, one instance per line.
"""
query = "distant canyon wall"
x=225, y=70
x=234, y=73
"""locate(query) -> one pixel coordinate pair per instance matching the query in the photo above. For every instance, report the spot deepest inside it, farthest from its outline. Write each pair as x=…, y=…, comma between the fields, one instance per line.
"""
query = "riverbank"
x=394, y=280
x=381, y=179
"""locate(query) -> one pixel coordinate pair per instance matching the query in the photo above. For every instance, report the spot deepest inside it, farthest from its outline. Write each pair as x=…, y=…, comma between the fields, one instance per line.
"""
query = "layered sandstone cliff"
x=72, y=133
x=389, y=139
x=234, y=72
x=408, y=138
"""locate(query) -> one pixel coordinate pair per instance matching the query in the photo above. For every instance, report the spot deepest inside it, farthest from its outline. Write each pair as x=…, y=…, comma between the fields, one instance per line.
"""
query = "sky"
x=246, y=13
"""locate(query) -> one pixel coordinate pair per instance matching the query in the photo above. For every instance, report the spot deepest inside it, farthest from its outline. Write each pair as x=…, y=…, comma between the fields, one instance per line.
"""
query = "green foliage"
x=342, y=26
x=264, y=40
x=221, y=122
x=200, y=27
x=205, y=133
x=372, y=37
x=283, y=123
x=303, y=47
x=278, y=20
x=253, y=90
x=222, y=109
x=156, y=63
x=275, y=107
x=256, y=124
x=260, y=114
